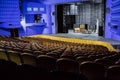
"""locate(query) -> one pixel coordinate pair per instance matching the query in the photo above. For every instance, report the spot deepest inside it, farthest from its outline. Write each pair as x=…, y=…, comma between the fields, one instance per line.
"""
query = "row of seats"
x=75, y=40
x=5, y=38
x=89, y=71
x=61, y=60
x=49, y=42
x=106, y=59
x=11, y=71
x=95, y=67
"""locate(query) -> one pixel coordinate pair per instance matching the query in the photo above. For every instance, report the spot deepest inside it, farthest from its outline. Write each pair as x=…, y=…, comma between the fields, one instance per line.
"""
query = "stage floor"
x=92, y=36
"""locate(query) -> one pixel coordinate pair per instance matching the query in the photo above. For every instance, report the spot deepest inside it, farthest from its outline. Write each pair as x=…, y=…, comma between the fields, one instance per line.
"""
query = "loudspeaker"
x=14, y=32
x=100, y=31
x=86, y=26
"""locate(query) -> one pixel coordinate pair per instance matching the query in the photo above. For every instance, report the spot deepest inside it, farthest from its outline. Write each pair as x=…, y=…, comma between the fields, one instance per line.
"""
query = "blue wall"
x=108, y=20
x=35, y=28
x=33, y=8
x=115, y=16
x=112, y=29
x=10, y=18
x=9, y=13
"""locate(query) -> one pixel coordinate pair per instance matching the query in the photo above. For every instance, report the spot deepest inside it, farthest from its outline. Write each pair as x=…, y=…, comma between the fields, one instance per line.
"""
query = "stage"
x=92, y=36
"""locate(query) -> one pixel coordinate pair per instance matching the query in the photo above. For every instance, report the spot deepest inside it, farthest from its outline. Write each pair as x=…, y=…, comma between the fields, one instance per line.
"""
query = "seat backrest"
x=113, y=72
x=37, y=53
x=28, y=58
x=7, y=70
x=46, y=62
x=92, y=57
x=3, y=55
x=81, y=59
x=117, y=62
x=27, y=51
x=27, y=72
x=67, y=65
x=14, y=56
x=7, y=64
x=104, y=62
x=92, y=71
x=55, y=55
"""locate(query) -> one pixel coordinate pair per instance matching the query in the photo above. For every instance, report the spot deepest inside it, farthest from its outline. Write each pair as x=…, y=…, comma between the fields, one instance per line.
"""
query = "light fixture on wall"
x=52, y=13
x=107, y=10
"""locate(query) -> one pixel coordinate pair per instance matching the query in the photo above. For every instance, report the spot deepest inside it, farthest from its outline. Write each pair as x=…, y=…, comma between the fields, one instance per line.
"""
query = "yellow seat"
x=92, y=71
x=28, y=58
x=3, y=55
x=14, y=56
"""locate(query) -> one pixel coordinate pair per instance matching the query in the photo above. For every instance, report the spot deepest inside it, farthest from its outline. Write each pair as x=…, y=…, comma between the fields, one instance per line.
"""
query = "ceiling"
x=64, y=1
x=68, y=1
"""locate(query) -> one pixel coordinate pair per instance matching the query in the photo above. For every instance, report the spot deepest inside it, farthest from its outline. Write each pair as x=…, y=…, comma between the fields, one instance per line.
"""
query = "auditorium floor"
x=92, y=36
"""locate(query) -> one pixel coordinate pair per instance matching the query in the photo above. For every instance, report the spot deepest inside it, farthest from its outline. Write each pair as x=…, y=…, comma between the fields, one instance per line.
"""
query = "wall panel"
x=9, y=14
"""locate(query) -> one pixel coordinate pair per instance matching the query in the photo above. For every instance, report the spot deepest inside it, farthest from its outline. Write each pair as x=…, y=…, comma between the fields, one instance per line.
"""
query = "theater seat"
x=29, y=72
x=113, y=72
x=55, y=55
x=7, y=70
x=104, y=62
x=81, y=59
x=14, y=56
x=117, y=62
x=37, y=53
x=92, y=71
x=46, y=62
x=61, y=75
x=3, y=54
x=28, y=58
x=67, y=65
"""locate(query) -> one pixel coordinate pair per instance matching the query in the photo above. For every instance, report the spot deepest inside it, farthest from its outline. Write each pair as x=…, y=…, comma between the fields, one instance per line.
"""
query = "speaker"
x=100, y=31
x=14, y=32
x=86, y=26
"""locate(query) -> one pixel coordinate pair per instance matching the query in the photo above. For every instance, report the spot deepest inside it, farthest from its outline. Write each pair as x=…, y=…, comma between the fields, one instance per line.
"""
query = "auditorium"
x=60, y=39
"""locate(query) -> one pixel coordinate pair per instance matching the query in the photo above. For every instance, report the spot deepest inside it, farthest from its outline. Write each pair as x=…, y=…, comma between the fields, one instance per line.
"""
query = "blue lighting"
x=9, y=14
x=35, y=9
x=113, y=30
x=115, y=16
x=42, y=9
x=29, y=9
